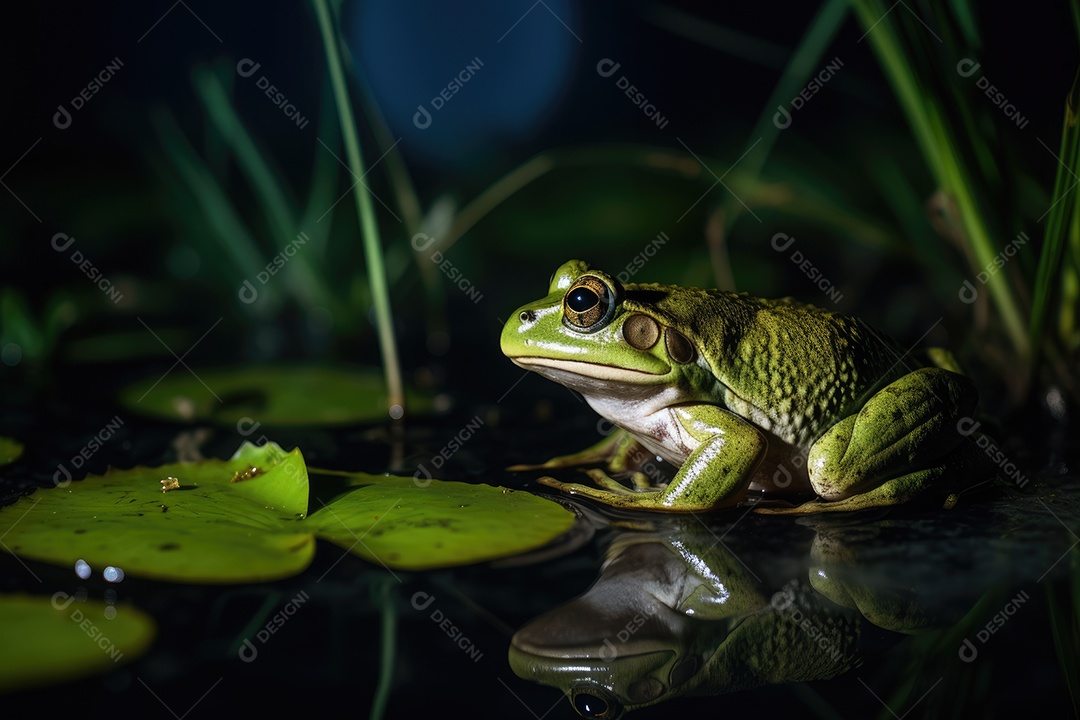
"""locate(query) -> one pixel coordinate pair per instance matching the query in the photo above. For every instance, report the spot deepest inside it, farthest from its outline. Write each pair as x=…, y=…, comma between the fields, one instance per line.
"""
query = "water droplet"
x=396, y=412
x=82, y=569
x=113, y=574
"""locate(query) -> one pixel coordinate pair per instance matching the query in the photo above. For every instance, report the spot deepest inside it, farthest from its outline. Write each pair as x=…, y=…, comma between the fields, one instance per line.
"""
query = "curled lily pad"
x=242, y=520
x=273, y=395
x=234, y=520
x=402, y=523
x=10, y=450
x=55, y=639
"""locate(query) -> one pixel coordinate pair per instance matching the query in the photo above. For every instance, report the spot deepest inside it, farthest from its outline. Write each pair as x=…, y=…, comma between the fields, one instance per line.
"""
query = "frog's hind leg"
x=897, y=491
x=903, y=441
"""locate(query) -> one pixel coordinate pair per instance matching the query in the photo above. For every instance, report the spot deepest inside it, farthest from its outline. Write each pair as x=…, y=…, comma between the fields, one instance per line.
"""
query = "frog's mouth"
x=574, y=372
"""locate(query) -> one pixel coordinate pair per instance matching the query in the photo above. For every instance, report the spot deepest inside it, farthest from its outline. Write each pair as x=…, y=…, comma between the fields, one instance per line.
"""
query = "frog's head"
x=594, y=335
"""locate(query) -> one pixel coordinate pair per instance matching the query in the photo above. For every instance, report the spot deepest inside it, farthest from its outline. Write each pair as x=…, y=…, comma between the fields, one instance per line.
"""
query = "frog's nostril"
x=527, y=316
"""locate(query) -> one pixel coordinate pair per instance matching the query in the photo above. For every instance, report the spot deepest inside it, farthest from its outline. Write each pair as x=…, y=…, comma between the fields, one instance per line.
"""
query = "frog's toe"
x=617, y=496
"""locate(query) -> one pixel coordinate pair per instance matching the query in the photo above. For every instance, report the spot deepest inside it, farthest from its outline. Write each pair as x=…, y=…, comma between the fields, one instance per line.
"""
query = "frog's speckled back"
x=787, y=366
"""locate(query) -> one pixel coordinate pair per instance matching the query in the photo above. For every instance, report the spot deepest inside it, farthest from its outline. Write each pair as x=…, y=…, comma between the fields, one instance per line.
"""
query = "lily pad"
x=273, y=395
x=209, y=529
x=242, y=520
x=10, y=450
x=49, y=640
x=400, y=523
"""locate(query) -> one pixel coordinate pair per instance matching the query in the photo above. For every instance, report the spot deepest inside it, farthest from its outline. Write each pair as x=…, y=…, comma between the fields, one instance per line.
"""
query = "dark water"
x=908, y=613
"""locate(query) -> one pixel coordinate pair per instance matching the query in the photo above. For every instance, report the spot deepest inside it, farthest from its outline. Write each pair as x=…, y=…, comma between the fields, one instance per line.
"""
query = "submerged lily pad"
x=273, y=395
x=209, y=529
x=242, y=520
x=10, y=450
x=403, y=524
x=50, y=640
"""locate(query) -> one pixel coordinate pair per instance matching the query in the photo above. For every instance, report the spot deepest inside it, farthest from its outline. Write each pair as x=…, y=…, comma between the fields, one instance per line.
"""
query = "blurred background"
x=183, y=201
x=201, y=141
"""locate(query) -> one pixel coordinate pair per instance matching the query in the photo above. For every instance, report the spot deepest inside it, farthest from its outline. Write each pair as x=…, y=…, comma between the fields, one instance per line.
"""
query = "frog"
x=773, y=403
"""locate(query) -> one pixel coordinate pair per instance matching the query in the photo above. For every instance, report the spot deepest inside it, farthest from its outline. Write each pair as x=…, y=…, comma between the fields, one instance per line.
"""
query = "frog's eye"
x=595, y=703
x=589, y=304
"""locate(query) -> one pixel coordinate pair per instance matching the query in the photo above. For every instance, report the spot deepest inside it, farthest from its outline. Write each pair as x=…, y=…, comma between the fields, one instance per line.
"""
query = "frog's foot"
x=610, y=493
x=897, y=491
x=639, y=480
x=608, y=484
x=614, y=450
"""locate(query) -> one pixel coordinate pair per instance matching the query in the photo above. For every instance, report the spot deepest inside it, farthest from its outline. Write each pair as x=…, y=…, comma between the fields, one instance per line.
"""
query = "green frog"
x=752, y=399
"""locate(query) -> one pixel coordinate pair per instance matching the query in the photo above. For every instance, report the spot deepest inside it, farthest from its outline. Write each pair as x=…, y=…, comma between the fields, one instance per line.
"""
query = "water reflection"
x=689, y=608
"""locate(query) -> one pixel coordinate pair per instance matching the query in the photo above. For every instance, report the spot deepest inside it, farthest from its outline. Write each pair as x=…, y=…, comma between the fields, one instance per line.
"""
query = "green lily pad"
x=49, y=640
x=273, y=395
x=210, y=529
x=242, y=520
x=10, y=450
x=401, y=523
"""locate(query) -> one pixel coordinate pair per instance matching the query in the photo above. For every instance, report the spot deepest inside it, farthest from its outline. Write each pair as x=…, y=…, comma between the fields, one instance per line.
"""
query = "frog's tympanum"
x=752, y=399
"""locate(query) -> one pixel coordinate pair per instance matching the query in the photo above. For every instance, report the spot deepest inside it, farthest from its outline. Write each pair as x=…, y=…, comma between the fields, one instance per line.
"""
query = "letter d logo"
x=968, y=651
x=247, y=293
x=782, y=118
x=608, y=651
x=968, y=293
x=782, y=477
x=422, y=600
x=427, y=477
x=62, y=118
x=246, y=68
x=61, y=470
x=607, y=67
x=248, y=652
x=422, y=118
x=61, y=600
x=782, y=237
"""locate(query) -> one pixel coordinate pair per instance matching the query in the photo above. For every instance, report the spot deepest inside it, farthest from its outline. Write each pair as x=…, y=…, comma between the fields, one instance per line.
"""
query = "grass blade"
x=369, y=228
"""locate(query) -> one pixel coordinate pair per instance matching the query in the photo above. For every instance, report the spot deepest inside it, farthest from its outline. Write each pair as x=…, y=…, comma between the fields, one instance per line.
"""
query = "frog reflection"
x=676, y=613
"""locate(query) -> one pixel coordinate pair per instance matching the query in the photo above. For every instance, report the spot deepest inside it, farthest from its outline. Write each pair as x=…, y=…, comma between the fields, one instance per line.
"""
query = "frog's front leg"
x=728, y=450
x=901, y=443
